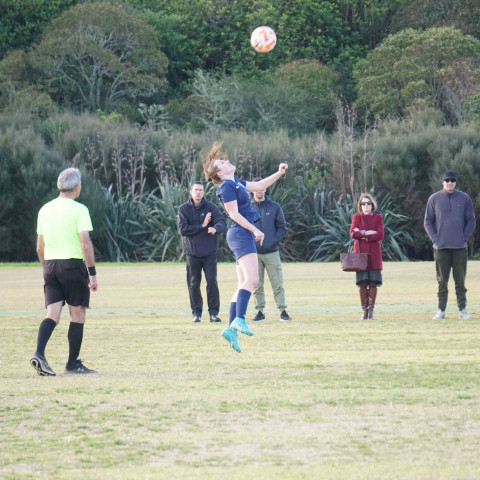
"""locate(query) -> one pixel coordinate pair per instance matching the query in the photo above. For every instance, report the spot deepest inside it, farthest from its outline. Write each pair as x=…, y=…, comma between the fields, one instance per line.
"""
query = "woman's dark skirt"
x=370, y=276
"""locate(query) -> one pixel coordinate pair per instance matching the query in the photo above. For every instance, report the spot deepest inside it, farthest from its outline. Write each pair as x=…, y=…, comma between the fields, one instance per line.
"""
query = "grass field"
x=326, y=396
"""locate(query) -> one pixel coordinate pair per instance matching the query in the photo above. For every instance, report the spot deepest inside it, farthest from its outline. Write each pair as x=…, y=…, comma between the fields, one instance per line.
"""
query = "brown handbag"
x=354, y=262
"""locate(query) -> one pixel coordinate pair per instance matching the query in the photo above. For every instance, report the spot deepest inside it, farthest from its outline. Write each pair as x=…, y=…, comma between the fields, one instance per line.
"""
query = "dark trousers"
x=454, y=259
x=195, y=265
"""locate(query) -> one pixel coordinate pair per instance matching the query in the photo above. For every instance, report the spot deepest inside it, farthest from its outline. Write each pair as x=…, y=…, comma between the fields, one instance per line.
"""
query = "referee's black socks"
x=44, y=333
x=75, y=338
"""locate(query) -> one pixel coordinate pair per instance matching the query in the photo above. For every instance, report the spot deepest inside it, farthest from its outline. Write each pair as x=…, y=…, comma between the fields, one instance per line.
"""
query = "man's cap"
x=449, y=174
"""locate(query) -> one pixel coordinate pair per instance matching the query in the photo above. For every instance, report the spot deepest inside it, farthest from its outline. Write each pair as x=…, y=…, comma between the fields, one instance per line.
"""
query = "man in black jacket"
x=273, y=225
x=198, y=222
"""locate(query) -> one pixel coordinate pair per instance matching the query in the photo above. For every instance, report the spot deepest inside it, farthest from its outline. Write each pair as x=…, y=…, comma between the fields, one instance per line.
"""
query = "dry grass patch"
x=326, y=396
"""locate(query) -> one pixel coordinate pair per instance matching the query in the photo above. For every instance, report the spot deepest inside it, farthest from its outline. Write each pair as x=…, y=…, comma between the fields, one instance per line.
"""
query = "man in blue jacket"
x=198, y=222
x=273, y=225
x=449, y=222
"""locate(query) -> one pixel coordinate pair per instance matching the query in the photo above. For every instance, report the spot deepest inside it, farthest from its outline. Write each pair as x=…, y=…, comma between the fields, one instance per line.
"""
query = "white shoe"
x=440, y=315
x=463, y=314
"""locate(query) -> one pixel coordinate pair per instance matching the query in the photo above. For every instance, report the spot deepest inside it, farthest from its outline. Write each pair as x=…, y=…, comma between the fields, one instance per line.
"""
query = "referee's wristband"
x=91, y=271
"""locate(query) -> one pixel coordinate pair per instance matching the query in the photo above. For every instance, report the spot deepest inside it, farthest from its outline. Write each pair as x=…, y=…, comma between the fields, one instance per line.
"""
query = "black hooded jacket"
x=196, y=240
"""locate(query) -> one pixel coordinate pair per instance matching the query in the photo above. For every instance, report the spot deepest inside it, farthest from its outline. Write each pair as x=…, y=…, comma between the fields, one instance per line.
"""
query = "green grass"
x=326, y=396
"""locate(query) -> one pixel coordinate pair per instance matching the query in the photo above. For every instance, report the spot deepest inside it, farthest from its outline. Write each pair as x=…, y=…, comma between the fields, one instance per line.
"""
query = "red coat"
x=371, y=244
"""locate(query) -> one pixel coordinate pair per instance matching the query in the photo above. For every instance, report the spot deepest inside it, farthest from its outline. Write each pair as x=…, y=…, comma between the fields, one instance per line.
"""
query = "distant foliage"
x=411, y=157
x=423, y=14
x=371, y=20
x=29, y=174
x=299, y=97
x=416, y=69
x=214, y=36
x=136, y=177
x=335, y=227
x=94, y=56
x=23, y=22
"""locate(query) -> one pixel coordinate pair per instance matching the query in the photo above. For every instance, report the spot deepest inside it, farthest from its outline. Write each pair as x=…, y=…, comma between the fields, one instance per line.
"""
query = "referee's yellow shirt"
x=59, y=222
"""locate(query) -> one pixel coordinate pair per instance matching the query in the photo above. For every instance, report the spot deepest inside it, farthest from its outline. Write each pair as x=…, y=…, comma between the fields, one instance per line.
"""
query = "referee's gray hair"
x=69, y=179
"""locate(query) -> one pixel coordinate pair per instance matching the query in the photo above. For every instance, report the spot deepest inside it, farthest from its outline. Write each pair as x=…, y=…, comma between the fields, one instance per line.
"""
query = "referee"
x=63, y=243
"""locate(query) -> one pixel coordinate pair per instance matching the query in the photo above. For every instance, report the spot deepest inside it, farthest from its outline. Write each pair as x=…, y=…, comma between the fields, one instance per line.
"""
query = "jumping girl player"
x=234, y=195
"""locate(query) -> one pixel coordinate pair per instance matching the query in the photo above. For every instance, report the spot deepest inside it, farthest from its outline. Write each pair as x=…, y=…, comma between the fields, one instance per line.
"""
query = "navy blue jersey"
x=230, y=190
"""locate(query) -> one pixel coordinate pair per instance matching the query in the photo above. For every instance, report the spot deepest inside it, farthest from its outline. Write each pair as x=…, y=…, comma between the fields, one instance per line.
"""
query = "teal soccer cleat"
x=240, y=325
x=232, y=338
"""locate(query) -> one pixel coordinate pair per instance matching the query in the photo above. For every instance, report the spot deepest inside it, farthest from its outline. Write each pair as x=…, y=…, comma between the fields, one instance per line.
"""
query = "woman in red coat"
x=367, y=230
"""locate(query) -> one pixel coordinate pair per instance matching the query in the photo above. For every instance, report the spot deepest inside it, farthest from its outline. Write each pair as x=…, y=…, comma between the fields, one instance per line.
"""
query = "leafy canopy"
x=94, y=56
x=407, y=69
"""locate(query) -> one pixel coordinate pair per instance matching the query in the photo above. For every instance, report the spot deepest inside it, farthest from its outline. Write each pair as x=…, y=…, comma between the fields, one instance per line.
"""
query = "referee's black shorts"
x=67, y=281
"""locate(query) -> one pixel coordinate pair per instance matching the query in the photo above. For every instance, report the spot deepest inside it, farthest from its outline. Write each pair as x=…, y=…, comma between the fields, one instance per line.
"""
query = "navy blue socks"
x=243, y=298
x=233, y=312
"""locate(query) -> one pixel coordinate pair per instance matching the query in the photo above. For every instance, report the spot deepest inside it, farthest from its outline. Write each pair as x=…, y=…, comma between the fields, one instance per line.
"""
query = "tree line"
x=357, y=96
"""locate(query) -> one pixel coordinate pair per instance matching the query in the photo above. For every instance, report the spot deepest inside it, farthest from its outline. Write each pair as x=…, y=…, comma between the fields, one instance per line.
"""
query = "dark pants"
x=454, y=259
x=195, y=265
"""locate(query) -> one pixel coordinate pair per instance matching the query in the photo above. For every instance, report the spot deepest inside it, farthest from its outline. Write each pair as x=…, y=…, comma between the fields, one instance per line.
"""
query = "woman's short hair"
x=69, y=179
x=208, y=161
x=366, y=195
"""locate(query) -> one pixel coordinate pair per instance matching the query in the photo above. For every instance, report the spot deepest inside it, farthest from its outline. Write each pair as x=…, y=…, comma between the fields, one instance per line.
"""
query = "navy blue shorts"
x=241, y=241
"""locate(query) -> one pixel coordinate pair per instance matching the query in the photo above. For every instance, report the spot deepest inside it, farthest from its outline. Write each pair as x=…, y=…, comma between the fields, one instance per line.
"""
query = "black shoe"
x=197, y=319
x=78, y=368
x=215, y=318
x=260, y=317
x=40, y=364
x=285, y=317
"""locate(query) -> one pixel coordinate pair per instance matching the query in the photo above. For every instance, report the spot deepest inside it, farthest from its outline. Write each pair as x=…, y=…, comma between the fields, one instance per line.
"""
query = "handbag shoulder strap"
x=350, y=247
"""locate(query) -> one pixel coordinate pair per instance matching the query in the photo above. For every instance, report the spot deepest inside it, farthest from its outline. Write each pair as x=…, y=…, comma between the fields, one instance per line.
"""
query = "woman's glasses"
x=365, y=203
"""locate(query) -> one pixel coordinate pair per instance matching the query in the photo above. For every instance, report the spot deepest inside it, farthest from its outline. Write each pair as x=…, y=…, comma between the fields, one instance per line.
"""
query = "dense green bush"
x=335, y=230
x=23, y=22
x=423, y=14
x=416, y=68
x=94, y=56
x=215, y=36
x=135, y=178
x=299, y=97
x=29, y=175
x=410, y=158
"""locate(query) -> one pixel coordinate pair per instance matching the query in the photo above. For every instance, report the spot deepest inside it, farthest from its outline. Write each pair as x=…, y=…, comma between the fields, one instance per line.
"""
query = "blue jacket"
x=449, y=219
x=196, y=240
x=272, y=224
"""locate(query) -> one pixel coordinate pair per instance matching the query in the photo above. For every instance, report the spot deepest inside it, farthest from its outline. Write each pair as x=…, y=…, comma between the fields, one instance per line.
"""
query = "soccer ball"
x=263, y=39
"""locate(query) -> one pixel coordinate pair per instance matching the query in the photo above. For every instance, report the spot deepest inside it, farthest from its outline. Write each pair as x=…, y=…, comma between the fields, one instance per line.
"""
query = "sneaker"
x=78, y=368
x=40, y=364
x=285, y=317
x=232, y=338
x=440, y=315
x=259, y=317
x=463, y=314
x=240, y=325
x=196, y=319
x=215, y=319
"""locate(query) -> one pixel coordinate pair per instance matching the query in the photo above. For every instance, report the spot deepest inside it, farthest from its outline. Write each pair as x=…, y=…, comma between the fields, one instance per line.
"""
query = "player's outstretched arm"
x=267, y=182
